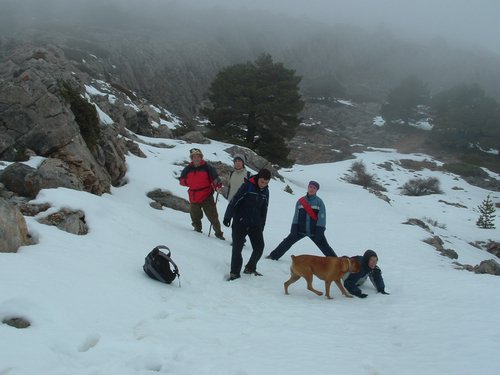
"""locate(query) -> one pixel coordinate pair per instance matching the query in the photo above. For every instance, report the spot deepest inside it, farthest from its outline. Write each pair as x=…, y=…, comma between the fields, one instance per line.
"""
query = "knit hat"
x=239, y=157
x=368, y=254
x=314, y=183
x=195, y=151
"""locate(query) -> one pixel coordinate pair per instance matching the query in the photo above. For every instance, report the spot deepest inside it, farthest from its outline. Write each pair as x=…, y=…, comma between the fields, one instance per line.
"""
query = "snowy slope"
x=94, y=311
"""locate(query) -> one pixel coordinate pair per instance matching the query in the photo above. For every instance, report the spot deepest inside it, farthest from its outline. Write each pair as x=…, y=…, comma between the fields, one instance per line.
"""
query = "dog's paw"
x=348, y=295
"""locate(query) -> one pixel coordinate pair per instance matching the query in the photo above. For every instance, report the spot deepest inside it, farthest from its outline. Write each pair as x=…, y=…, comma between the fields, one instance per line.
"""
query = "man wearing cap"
x=309, y=220
x=202, y=180
x=237, y=176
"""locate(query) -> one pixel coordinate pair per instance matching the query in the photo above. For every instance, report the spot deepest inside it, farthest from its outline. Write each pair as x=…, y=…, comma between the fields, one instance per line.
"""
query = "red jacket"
x=201, y=180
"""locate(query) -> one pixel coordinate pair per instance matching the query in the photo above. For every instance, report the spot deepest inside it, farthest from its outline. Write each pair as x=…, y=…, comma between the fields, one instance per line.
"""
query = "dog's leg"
x=309, y=279
x=342, y=289
x=328, y=283
x=293, y=278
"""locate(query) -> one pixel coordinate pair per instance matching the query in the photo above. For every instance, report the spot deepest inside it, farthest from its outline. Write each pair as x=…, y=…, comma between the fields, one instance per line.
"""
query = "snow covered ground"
x=94, y=311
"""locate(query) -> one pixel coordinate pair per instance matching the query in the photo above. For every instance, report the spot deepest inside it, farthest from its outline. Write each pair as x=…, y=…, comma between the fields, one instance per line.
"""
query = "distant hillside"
x=169, y=53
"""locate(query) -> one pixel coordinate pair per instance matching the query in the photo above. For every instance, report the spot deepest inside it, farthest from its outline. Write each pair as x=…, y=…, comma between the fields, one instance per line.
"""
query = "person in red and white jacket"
x=309, y=220
x=202, y=180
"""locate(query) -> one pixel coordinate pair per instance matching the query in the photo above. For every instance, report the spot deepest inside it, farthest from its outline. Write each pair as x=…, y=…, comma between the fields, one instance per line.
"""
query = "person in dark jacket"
x=248, y=212
x=309, y=220
x=370, y=270
x=202, y=180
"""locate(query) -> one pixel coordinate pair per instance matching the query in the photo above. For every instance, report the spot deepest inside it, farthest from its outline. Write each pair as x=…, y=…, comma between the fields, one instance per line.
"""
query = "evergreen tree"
x=256, y=105
x=405, y=101
x=487, y=214
x=465, y=117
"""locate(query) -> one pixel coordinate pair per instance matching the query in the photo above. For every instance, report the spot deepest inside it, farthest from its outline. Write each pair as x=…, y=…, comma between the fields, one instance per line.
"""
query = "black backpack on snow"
x=158, y=265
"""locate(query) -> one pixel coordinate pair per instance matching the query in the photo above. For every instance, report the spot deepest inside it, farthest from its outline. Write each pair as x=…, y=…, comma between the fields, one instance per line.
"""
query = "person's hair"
x=265, y=174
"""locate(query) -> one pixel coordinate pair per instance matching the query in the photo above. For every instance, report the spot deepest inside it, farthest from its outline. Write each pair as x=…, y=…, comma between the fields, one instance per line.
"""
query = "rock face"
x=37, y=115
x=13, y=229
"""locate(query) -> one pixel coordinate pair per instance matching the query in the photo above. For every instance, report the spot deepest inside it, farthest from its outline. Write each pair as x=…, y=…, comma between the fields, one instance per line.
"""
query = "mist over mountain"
x=170, y=51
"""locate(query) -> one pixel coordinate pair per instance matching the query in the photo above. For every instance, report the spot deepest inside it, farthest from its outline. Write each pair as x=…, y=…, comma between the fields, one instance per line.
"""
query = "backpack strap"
x=308, y=208
x=176, y=269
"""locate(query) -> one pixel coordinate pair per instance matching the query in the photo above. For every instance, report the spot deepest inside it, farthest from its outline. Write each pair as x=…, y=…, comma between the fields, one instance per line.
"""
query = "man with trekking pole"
x=202, y=180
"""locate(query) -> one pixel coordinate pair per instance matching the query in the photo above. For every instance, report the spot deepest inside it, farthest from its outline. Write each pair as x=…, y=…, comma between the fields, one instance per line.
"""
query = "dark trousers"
x=287, y=243
x=210, y=209
x=256, y=239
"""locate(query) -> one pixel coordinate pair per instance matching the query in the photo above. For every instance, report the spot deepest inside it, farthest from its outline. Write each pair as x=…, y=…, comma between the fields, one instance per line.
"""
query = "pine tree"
x=405, y=100
x=487, y=218
x=256, y=105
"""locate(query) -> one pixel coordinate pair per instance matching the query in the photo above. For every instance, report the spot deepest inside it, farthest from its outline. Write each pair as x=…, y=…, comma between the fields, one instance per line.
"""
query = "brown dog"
x=325, y=268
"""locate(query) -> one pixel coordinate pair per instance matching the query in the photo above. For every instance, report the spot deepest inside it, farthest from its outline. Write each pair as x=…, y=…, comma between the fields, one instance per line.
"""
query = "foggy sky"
x=463, y=22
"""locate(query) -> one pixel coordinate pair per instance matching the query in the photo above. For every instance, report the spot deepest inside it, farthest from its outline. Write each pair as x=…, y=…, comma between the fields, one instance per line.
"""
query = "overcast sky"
x=471, y=22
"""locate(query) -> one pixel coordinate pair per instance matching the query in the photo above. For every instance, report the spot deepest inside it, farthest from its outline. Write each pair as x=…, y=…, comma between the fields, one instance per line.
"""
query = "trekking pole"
x=216, y=199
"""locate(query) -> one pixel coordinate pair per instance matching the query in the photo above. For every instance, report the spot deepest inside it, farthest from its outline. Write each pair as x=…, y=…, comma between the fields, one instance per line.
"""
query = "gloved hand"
x=384, y=292
x=361, y=295
x=226, y=222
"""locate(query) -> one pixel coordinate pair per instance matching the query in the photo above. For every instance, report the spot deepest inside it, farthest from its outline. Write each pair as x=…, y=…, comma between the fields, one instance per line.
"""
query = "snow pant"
x=208, y=206
x=257, y=241
x=287, y=243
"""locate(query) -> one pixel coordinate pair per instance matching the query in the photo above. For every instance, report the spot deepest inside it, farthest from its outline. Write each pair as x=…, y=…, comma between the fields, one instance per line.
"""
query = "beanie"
x=314, y=183
x=239, y=157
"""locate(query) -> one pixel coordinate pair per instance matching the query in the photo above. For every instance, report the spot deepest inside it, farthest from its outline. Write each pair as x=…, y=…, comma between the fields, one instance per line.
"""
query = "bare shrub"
x=433, y=222
x=421, y=186
x=359, y=176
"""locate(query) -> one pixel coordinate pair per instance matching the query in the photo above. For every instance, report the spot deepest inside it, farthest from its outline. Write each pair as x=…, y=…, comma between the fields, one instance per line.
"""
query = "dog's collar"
x=349, y=262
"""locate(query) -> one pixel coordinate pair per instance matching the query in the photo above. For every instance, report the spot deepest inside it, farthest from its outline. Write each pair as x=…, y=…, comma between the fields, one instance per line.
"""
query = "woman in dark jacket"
x=369, y=269
x=248, y=211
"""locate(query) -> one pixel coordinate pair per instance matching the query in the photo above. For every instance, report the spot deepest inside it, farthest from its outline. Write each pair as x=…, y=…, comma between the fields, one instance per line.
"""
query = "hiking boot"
x=233, y=276
x=220, y=236
x=270, y=257
x=198, y=230
x=249, y=271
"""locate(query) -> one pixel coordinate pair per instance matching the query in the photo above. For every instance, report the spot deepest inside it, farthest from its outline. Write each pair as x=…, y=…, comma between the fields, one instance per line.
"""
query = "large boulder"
x=13, y=229
x=163, y=198
x=21, y=179
x=57, y=173
x=490, y=266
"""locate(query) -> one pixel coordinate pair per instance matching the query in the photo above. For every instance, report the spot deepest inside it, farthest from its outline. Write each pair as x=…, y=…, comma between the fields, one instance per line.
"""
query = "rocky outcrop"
x=163, y=198
x=490, y=266
x=37, y=114
x=68, y=221
x=17, y=322
x=438, y=243
x=13, y=229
